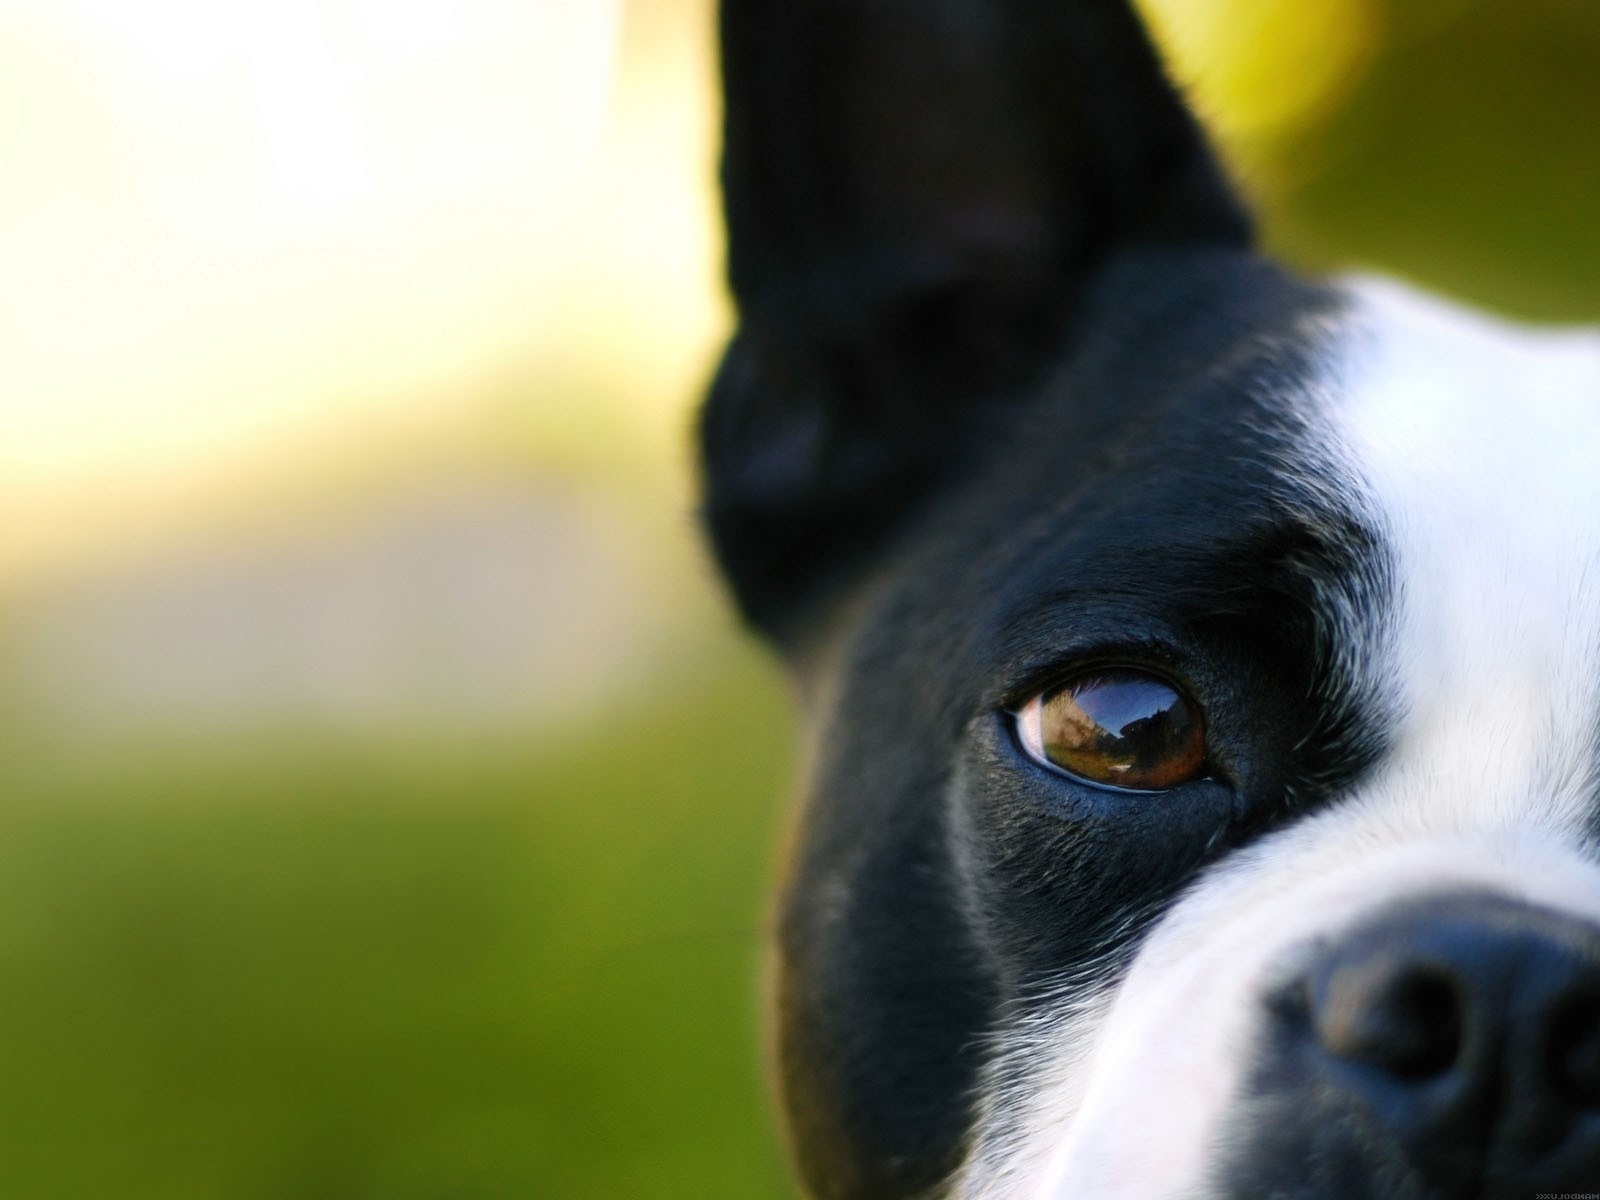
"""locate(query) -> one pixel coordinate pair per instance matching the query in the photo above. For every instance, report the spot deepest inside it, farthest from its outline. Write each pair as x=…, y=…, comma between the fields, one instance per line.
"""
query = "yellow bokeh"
x=246, y=239
x=234, y=231
x=1260, y=68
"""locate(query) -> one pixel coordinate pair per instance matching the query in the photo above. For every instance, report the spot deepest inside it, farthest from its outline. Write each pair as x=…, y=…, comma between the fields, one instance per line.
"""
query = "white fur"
x=1474, y=447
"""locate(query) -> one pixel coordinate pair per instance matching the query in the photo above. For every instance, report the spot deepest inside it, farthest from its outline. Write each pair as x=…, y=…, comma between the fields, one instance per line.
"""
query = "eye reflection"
x=1118, y=728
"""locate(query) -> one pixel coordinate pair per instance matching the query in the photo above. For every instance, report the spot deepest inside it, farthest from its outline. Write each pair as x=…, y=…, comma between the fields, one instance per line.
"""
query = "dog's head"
x=1202, y=665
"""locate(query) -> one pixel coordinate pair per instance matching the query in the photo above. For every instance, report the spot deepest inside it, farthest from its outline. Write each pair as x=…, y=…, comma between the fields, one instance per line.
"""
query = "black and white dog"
x=1202, y=664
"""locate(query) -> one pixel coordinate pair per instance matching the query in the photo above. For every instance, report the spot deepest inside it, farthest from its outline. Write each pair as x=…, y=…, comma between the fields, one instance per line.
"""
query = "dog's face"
x=1202, y=665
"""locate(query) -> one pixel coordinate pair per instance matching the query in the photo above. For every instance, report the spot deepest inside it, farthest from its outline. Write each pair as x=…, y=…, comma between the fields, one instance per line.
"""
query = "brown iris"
x=1121, y=728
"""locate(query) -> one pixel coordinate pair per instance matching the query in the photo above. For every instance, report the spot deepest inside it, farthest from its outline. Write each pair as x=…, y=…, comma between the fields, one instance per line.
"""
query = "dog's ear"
x=915, y=192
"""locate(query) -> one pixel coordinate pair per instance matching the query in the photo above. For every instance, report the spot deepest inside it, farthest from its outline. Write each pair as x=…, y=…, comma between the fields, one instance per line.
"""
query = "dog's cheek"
x=1057, y=874
x=881, y=1000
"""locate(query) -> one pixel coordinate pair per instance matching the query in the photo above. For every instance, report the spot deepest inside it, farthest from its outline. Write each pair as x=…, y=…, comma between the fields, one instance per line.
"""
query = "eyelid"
x=1155, y=653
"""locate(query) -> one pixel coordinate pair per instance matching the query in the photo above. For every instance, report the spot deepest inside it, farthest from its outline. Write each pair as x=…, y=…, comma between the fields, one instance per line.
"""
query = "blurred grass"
x=301, y=972
x=1464, y=159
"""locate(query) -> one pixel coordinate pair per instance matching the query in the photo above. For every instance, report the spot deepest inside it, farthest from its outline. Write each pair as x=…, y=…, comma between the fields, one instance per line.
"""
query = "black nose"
x=1467, y=1029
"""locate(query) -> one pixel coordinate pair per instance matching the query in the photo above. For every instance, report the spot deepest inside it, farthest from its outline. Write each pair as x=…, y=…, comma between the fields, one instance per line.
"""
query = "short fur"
x=1012, y=395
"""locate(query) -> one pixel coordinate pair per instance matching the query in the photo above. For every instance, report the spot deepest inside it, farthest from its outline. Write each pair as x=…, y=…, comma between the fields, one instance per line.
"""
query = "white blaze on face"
x=1473, y=447
x=1481, y=444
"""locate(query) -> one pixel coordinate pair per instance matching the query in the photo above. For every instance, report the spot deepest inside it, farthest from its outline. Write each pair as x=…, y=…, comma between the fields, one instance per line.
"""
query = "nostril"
x=1404, y=1018
x=1464, y=1027
x=1574, y=1051
x=1428, y=1019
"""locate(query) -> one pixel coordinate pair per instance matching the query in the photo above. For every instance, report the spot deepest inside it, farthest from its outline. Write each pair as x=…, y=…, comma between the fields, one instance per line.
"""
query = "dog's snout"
x=1467, y=1028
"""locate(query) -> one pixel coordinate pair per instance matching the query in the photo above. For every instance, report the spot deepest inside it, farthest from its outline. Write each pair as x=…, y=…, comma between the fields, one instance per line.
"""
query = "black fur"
x=915, y=191
x=943, y=881
x=1009, y=393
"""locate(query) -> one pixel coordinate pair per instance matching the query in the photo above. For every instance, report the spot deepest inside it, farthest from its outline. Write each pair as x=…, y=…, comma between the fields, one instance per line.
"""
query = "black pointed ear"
x=915, y=192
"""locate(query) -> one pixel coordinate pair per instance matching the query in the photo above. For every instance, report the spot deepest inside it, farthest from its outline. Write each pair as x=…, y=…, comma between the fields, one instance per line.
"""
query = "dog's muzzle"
x=1448, y=1048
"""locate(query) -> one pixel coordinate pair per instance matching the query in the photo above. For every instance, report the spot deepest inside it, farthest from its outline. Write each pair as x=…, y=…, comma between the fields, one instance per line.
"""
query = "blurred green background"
x=387, y=795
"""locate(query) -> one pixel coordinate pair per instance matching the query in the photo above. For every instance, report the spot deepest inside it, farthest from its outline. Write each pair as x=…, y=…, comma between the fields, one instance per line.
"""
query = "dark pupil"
x=1130, y=730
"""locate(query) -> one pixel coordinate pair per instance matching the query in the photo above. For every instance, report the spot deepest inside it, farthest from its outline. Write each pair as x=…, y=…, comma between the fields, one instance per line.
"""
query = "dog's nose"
x=1468, y=1028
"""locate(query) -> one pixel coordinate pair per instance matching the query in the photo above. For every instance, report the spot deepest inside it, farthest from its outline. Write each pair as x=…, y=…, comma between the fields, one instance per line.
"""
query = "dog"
x=1200, y=664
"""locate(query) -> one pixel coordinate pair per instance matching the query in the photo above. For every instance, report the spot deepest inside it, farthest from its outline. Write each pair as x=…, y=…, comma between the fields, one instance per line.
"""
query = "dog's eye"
x=1118, y=728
